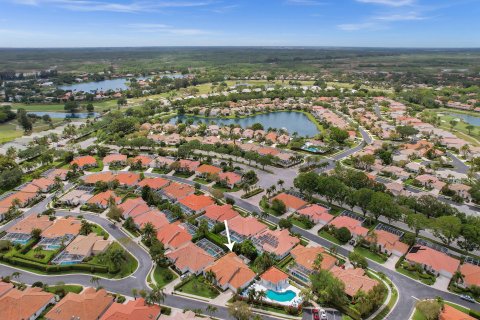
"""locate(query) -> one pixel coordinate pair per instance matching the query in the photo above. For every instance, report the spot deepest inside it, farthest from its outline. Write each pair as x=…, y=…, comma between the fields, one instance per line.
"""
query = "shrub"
x=343, y=234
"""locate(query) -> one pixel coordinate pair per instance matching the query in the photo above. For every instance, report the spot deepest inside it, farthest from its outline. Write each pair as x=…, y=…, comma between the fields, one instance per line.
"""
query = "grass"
x=369, y=254
x=161, y=171
x=202, y=181
x=48, y=255
x=99, y=231
x=163, y=276
x=8, y=132
x=223, y=188
x=418, y=315
x=198, y=287
x=98, y=168
x=126, y=268
x=324, y=234
x=300, y=223
x=184, y=175
x=66, y=287
x=415, y=276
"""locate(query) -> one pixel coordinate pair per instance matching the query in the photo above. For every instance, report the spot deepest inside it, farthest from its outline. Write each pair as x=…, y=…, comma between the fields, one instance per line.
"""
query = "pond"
x=104, y=85
x=473, y=120
x=291, y=121
x=64, y=115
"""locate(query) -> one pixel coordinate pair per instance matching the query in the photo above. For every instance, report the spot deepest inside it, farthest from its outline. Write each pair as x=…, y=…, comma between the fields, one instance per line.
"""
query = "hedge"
x=251, y=193
x=218, y=240
x=56, y=268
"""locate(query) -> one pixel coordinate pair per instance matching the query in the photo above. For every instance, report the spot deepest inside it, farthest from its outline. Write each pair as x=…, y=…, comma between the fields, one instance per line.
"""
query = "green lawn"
x=183, y=174
x=126, y=268
x=66, y=287
x=221, y=187
x=418, y=315
x=369, y=254
x=9, y=132
x=329, y=237
x=98, y=168
x=163, y=276
x=99, y=231
x=300, y=223
x=48, y=255
x=161, y=171
x=197, y=286
x=415, y=275
x=202, y=181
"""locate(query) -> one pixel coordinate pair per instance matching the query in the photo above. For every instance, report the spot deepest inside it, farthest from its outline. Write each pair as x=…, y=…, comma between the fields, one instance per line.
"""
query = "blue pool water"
x=281, y=296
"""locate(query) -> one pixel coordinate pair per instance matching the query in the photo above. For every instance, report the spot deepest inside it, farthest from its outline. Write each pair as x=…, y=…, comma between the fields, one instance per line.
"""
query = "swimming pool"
x=281, y=296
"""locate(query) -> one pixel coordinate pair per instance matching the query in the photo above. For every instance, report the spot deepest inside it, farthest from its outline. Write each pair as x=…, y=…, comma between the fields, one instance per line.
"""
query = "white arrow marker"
x=230, y=243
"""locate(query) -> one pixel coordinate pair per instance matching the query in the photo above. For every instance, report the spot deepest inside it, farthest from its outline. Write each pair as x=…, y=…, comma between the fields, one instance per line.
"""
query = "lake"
x=111, y=84
x=473, y=120
x=63, y=115
x=292, y=121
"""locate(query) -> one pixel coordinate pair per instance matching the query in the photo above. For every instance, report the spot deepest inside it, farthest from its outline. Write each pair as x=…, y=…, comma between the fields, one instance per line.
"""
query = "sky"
x=347, y=23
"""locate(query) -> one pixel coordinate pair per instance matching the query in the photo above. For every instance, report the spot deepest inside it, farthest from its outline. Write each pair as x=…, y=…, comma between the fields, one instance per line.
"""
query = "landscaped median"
x=197, y=286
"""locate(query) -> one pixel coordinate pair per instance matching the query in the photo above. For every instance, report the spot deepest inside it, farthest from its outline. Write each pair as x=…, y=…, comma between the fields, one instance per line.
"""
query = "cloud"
x=164, y=28
x=357, y=26
x=225, y=9
x=410, y=16
x=391, y=3
x=98, y=5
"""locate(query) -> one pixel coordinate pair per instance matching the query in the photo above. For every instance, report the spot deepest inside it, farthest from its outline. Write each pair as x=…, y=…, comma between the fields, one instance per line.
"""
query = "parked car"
x=323, y=314
x=468, y=298
x=315, y=314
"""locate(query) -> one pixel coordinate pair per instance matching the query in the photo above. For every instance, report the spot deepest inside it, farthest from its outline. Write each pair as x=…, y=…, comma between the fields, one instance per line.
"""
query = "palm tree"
x=149, y=231
x=317, y=264
x=211, y=309
x=210, y=276
x=156, y=295
x=134, y=293
x=280, y=183
x=15, y=275
x=251, y=293
x=262, y=294
x=95, y=280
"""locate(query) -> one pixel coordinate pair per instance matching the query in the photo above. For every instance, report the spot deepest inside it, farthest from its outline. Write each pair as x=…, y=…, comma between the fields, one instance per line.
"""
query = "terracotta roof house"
x=84, y=162
x=85, y=246
x=132, y=310
x=190, y=258
x=103, y=199
x=245, y=227
x=61, y=173
x=274, y=279
x=188, y=165
x=88, y=305
x=471, y=275
x=354, y=280
x=155, y=217
x=277, y=242
x=388, y=243
x=26, y=304
x=176, y=191
x=353, y=225
x=115, y=159
x=161, y=162
x=173, y=235
x=28, y=224
x=62, y=227
x=75, y=197
x=216, y=213
x=432, y=260
x=154, y=183
x=450, y=313
x=128, y=179
x=316, y=213
x=265, y=151
x=231, y=272
x=193, y=204
x=230, y=179
x=5, y=287
x=144, y=160
x=106, y=177
x=305, y=260
x=43, y=184
x=206, y=170
x=291, y=202
x=133, y=207
x=271, y=137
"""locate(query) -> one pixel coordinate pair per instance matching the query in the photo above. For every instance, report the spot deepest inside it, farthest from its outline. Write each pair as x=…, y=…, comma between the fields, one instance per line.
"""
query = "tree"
x=36, y=233
x=307, y=183
x=70, y=106
x=381, y=204
x=447, y=228
x=362, y=198
x=264, y=261
x=157, y=251
x=338, y=135
x=240, y=310
x=357, y=260
x=329, y=289
x=417, y=222
x=406, y=131
x=470, y=128
x=430, y=309
x=149, y=232
x=156, y=295
x=114, y=213
x=285, y=224
x=90, y=107
x=453, y=123
x=278, y=206
x=95, y=280
x=317, y=263
x=85, y=228
x=470, y=234
x=343, y=234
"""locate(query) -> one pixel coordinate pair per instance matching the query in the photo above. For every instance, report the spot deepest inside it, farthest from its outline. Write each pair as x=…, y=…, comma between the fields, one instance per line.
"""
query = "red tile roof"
x=103, y=198
x=316, y=212
x=471, y=274
x=450, y=313
x=273, y=275
x=306, y=257
x=435, y=259
x=208, y=169
x=16, y=304
x=290, y=201
x=173, y=235
x=230, y=177
x=246, y=227
x=354, y=280
x=191, y=257
x=197, y=203
x=178, y=190
x=144, y=160
x=155, y=217
x=231, y=270
x=132, y=310
x=84, y=161
x=221, y=213
x=114, y=158
x=354, y=225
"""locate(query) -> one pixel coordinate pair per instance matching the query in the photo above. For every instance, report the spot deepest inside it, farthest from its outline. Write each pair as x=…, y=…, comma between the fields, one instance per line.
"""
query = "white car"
x=323, y=314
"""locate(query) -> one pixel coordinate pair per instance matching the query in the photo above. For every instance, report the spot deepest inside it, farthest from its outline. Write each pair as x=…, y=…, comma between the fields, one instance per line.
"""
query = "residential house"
x=218, y=214
x=104, y=199
x=176, y=191
x=27, y=304
x=316, y=213
x=274, y=279
x=82, y=247
x=156, y=218
x=432, y=260
x=388, y=243
x=143, y=160
x=245, y=227
x=173, y=235
x=230, y=179
x=154, y=183
x=354, y=280
x=353, y=225
x=461, y=190
x=208, y=171
x=61, y=232
x=75, y=197
x=193, y=204
x=90, y=304
x=190, y=258
x=188, y=165
x=115, y=159
x=133, y=207
x=231, y=272
x=291, y=202
x=136, y=309
x=470, y=275
x=84, y=162
x=60, y=173
x=21, y=232
x=277, y=242
x=127, y=179
x=305, y=261
x=450, y=313
x=161, y=162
